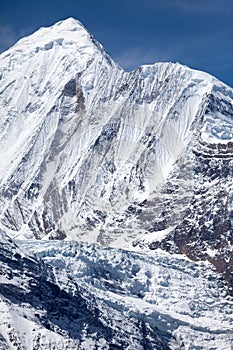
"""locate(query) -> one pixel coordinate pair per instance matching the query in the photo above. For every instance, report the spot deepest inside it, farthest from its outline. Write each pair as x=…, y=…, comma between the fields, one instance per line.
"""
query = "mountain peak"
x=67, y=25
x=69, y=22
x=64, y=33
x=58, y=45
x=140, y=161
x=91, y=152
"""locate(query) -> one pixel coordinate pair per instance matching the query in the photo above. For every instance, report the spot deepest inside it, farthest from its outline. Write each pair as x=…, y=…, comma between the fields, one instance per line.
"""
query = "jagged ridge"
x=94, y=153
x=140, y=160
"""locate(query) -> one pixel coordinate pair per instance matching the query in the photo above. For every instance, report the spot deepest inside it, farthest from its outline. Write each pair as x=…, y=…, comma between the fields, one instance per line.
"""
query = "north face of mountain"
x=92, y=153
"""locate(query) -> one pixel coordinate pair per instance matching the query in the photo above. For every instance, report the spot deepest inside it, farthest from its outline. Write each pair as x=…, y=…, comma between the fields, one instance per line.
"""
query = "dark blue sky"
x=197, y=33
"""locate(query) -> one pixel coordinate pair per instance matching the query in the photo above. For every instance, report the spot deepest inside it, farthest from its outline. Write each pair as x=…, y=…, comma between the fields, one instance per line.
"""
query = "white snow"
x=217, y=128
x=149, y=237
x=137, y=124
x=88, y=151
x=211, y=252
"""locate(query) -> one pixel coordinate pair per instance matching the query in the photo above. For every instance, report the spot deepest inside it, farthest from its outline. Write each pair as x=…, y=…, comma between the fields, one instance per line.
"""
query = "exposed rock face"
x=205, y=231
x=92, y=153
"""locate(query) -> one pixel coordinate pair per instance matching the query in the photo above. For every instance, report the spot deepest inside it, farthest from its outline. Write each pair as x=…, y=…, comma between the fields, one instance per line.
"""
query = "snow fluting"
x=132, y=172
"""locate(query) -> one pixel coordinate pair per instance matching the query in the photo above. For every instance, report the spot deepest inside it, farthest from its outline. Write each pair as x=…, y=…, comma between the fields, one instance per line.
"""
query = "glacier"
x=116, y=194
x=70, y=295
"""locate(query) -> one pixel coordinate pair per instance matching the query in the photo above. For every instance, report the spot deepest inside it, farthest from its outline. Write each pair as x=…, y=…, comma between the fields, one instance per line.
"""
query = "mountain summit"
x=138, y=160
x=92, y=153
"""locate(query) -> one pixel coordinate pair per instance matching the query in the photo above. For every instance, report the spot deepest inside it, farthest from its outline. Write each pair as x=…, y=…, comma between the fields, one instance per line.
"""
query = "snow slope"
x=75, y=127
x=92, y=153
x=140, y=161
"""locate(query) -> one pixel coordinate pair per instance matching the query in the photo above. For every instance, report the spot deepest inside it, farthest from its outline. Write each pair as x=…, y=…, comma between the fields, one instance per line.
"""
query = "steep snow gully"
x=116, y=208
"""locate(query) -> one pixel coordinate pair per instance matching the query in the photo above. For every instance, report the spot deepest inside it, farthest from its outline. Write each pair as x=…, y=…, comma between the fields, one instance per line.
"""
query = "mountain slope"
x=84, y=128
x=80, y=295
x=93, y=153
x=44, y=307
x=140, y=161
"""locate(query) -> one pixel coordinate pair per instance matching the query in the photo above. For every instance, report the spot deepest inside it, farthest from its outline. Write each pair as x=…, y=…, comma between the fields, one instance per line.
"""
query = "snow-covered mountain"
x=138, y=160
x=93, y=153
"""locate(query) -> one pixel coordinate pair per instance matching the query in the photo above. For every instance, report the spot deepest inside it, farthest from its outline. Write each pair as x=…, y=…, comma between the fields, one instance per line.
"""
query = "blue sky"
x=197, y=33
